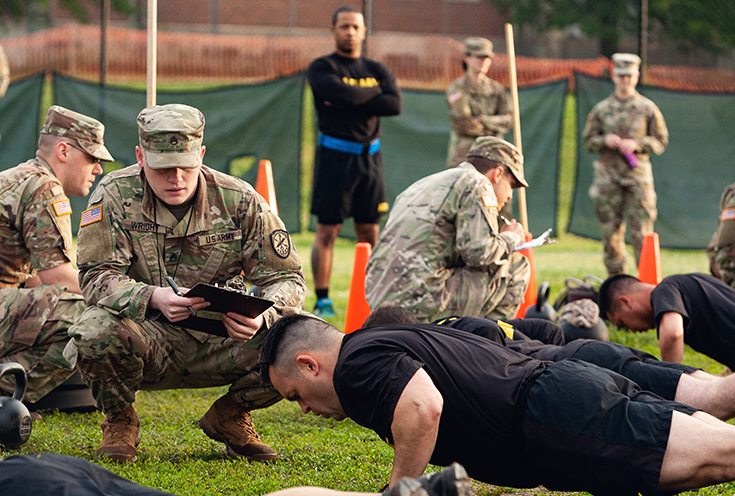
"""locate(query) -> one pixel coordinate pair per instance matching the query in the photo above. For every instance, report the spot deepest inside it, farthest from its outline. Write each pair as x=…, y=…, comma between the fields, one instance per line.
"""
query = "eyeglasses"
x=95, y=161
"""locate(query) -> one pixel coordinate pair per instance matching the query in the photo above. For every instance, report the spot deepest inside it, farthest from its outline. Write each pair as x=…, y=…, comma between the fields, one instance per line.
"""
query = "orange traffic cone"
x=357, y=306
x=264, y=184
x=529, y=298
x=649, y=267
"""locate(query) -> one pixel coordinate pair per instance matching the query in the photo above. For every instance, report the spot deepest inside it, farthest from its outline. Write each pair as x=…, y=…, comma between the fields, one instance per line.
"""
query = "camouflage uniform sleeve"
x=47, y=226
x=502, y=121
x=270, y=259
x=657, y=135
x=104, y=252
x=723, y=240
x=460, y=113
x=594, y=139
x=479, y=241
x=4, y=73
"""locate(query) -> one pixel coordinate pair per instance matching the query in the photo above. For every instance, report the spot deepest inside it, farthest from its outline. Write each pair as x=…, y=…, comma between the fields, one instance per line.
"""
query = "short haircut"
x=47, y=142
x=390, y=313
x=291, y=335
x=483, y=165
x=612, y=288
x=344, y=8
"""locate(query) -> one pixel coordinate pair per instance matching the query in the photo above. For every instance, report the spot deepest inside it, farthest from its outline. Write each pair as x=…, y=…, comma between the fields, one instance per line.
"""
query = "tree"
x=37, y=11
x=708, y=24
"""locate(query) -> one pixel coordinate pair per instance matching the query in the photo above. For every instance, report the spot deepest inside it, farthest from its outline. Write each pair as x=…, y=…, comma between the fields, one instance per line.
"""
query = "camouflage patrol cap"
x=625, y=64
x=171, y=136
x=478, y=46
x=500, y=151
x=87, y=132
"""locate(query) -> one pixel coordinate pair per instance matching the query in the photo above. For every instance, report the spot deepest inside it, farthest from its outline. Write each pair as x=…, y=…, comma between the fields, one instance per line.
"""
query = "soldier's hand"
x=612, y=141
x=515, y=227
x=174, y=307
x=628, y=146
x=240, y=327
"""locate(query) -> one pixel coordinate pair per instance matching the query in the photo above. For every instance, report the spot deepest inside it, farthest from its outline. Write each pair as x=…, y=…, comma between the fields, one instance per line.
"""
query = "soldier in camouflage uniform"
x=478, y=105
x=624, y=128
x=170, y=215
x=39, y=290
x=441, y=252
x=721, y=250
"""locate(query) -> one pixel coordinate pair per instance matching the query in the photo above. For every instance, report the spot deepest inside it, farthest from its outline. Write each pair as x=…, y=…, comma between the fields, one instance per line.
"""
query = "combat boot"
x=452, y=481
x=228, y=422
x=120, y=436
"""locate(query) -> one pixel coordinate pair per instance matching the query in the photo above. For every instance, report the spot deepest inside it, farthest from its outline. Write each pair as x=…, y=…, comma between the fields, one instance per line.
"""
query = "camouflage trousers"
x=621, y=193
x=118, y=357
x=33, y=333
x=475, y=292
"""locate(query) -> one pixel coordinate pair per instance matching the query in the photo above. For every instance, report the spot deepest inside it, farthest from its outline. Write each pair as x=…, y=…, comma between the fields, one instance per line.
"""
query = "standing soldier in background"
x=721, y=250
x=351, y=93
x=4, y=73
x=39, y=289
x=624, y=129
x=478, y=105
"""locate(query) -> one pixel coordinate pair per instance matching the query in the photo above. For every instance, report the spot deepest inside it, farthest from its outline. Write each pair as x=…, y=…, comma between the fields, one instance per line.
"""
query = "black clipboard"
x=221, y=300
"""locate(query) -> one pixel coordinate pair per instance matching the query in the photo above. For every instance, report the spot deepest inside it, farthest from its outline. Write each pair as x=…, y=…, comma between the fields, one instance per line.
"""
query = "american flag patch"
x=454, y=97
x=91, y=215
x=489, y=200
x=728, y=214
x=62, y=207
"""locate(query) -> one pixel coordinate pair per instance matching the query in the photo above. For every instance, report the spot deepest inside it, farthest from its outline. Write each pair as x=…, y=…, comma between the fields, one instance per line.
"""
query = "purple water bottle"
x=631, y=159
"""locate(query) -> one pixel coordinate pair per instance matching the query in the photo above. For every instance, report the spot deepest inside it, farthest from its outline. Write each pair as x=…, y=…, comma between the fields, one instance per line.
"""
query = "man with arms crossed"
x=351, y=93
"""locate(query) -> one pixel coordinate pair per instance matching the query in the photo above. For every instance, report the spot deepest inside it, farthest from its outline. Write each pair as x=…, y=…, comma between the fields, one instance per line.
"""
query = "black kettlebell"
x=542, y=309
x=15, y=419
x=598, y=331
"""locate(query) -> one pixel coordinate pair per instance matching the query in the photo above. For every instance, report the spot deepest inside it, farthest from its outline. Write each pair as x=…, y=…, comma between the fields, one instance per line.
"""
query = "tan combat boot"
x=120, y=436
x=230, y=423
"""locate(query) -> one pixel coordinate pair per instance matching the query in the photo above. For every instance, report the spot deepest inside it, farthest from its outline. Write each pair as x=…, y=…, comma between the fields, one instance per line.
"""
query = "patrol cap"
x=478, y=46
x=171, y=136
x=87, y=132
x=625, y=64
x=500, y=151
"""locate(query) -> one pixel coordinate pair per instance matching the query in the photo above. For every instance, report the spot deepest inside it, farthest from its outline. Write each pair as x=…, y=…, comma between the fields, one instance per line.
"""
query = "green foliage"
x=37, y=11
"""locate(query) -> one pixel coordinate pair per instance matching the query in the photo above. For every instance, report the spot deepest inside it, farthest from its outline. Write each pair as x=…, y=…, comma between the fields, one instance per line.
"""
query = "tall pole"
x=105, y=22
x=151, y=59
x=516, y=117
x=643, y=41
x=367, y=11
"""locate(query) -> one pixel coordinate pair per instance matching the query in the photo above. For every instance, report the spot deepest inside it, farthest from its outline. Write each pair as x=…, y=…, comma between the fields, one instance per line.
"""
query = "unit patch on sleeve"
x=489, y=200
x=62, y=207
x=281, y=243
x=91, y=215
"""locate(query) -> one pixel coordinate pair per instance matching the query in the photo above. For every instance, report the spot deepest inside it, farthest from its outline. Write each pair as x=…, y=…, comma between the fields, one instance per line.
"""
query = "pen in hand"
x=176, y=289
x=505, y=221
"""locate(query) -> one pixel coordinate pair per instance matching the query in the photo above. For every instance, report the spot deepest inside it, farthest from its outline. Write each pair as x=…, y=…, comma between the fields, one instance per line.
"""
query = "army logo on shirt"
x=281, y=243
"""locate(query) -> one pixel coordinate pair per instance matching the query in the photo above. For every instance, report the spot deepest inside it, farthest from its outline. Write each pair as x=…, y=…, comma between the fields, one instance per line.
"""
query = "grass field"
x=176, y=456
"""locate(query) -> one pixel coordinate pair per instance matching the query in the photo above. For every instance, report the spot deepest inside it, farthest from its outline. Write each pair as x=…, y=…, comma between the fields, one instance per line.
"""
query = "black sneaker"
x=452, y=481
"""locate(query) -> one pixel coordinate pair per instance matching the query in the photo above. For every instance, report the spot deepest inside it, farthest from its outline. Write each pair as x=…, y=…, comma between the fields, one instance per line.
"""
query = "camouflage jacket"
x=4, y=73
x=128, y=242
x=475, y=110
x=446, y=220
x=636, y=118
x=35, y=222
x=722, y=247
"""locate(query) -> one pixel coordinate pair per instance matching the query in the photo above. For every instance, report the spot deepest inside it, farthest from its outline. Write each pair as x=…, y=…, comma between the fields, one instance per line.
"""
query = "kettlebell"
x=598, y=331
x=542, y=309
x=15, y=419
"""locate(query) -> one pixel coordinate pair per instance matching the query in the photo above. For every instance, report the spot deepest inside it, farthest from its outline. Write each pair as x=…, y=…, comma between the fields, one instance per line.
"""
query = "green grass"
x=176, y=456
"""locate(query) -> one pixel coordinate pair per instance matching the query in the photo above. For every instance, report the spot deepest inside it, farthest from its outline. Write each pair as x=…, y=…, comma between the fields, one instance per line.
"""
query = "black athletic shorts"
x=589, y=429
x=347, y=185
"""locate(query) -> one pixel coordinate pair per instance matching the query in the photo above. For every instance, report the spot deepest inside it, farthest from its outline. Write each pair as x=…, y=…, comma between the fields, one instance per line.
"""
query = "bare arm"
x=61, y=275
x=415, y=426
x=671, y=337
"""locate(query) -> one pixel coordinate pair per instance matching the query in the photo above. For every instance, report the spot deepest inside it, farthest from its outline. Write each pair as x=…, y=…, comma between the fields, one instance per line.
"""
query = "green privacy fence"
x=415, y=145
x=19, y=111
x=689, y=176
x=243, y=125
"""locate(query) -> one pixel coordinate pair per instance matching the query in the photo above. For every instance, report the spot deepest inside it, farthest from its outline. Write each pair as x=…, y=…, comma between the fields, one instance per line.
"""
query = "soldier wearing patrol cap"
x=624, y=129
x=443, y=252
x=39, y=289
x=478, y=105
x=171, y=216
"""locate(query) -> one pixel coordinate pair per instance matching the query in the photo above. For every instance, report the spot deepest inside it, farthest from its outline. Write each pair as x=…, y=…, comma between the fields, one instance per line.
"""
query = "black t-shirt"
x=707, y=306
x=481, y=383
x=358, y=90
